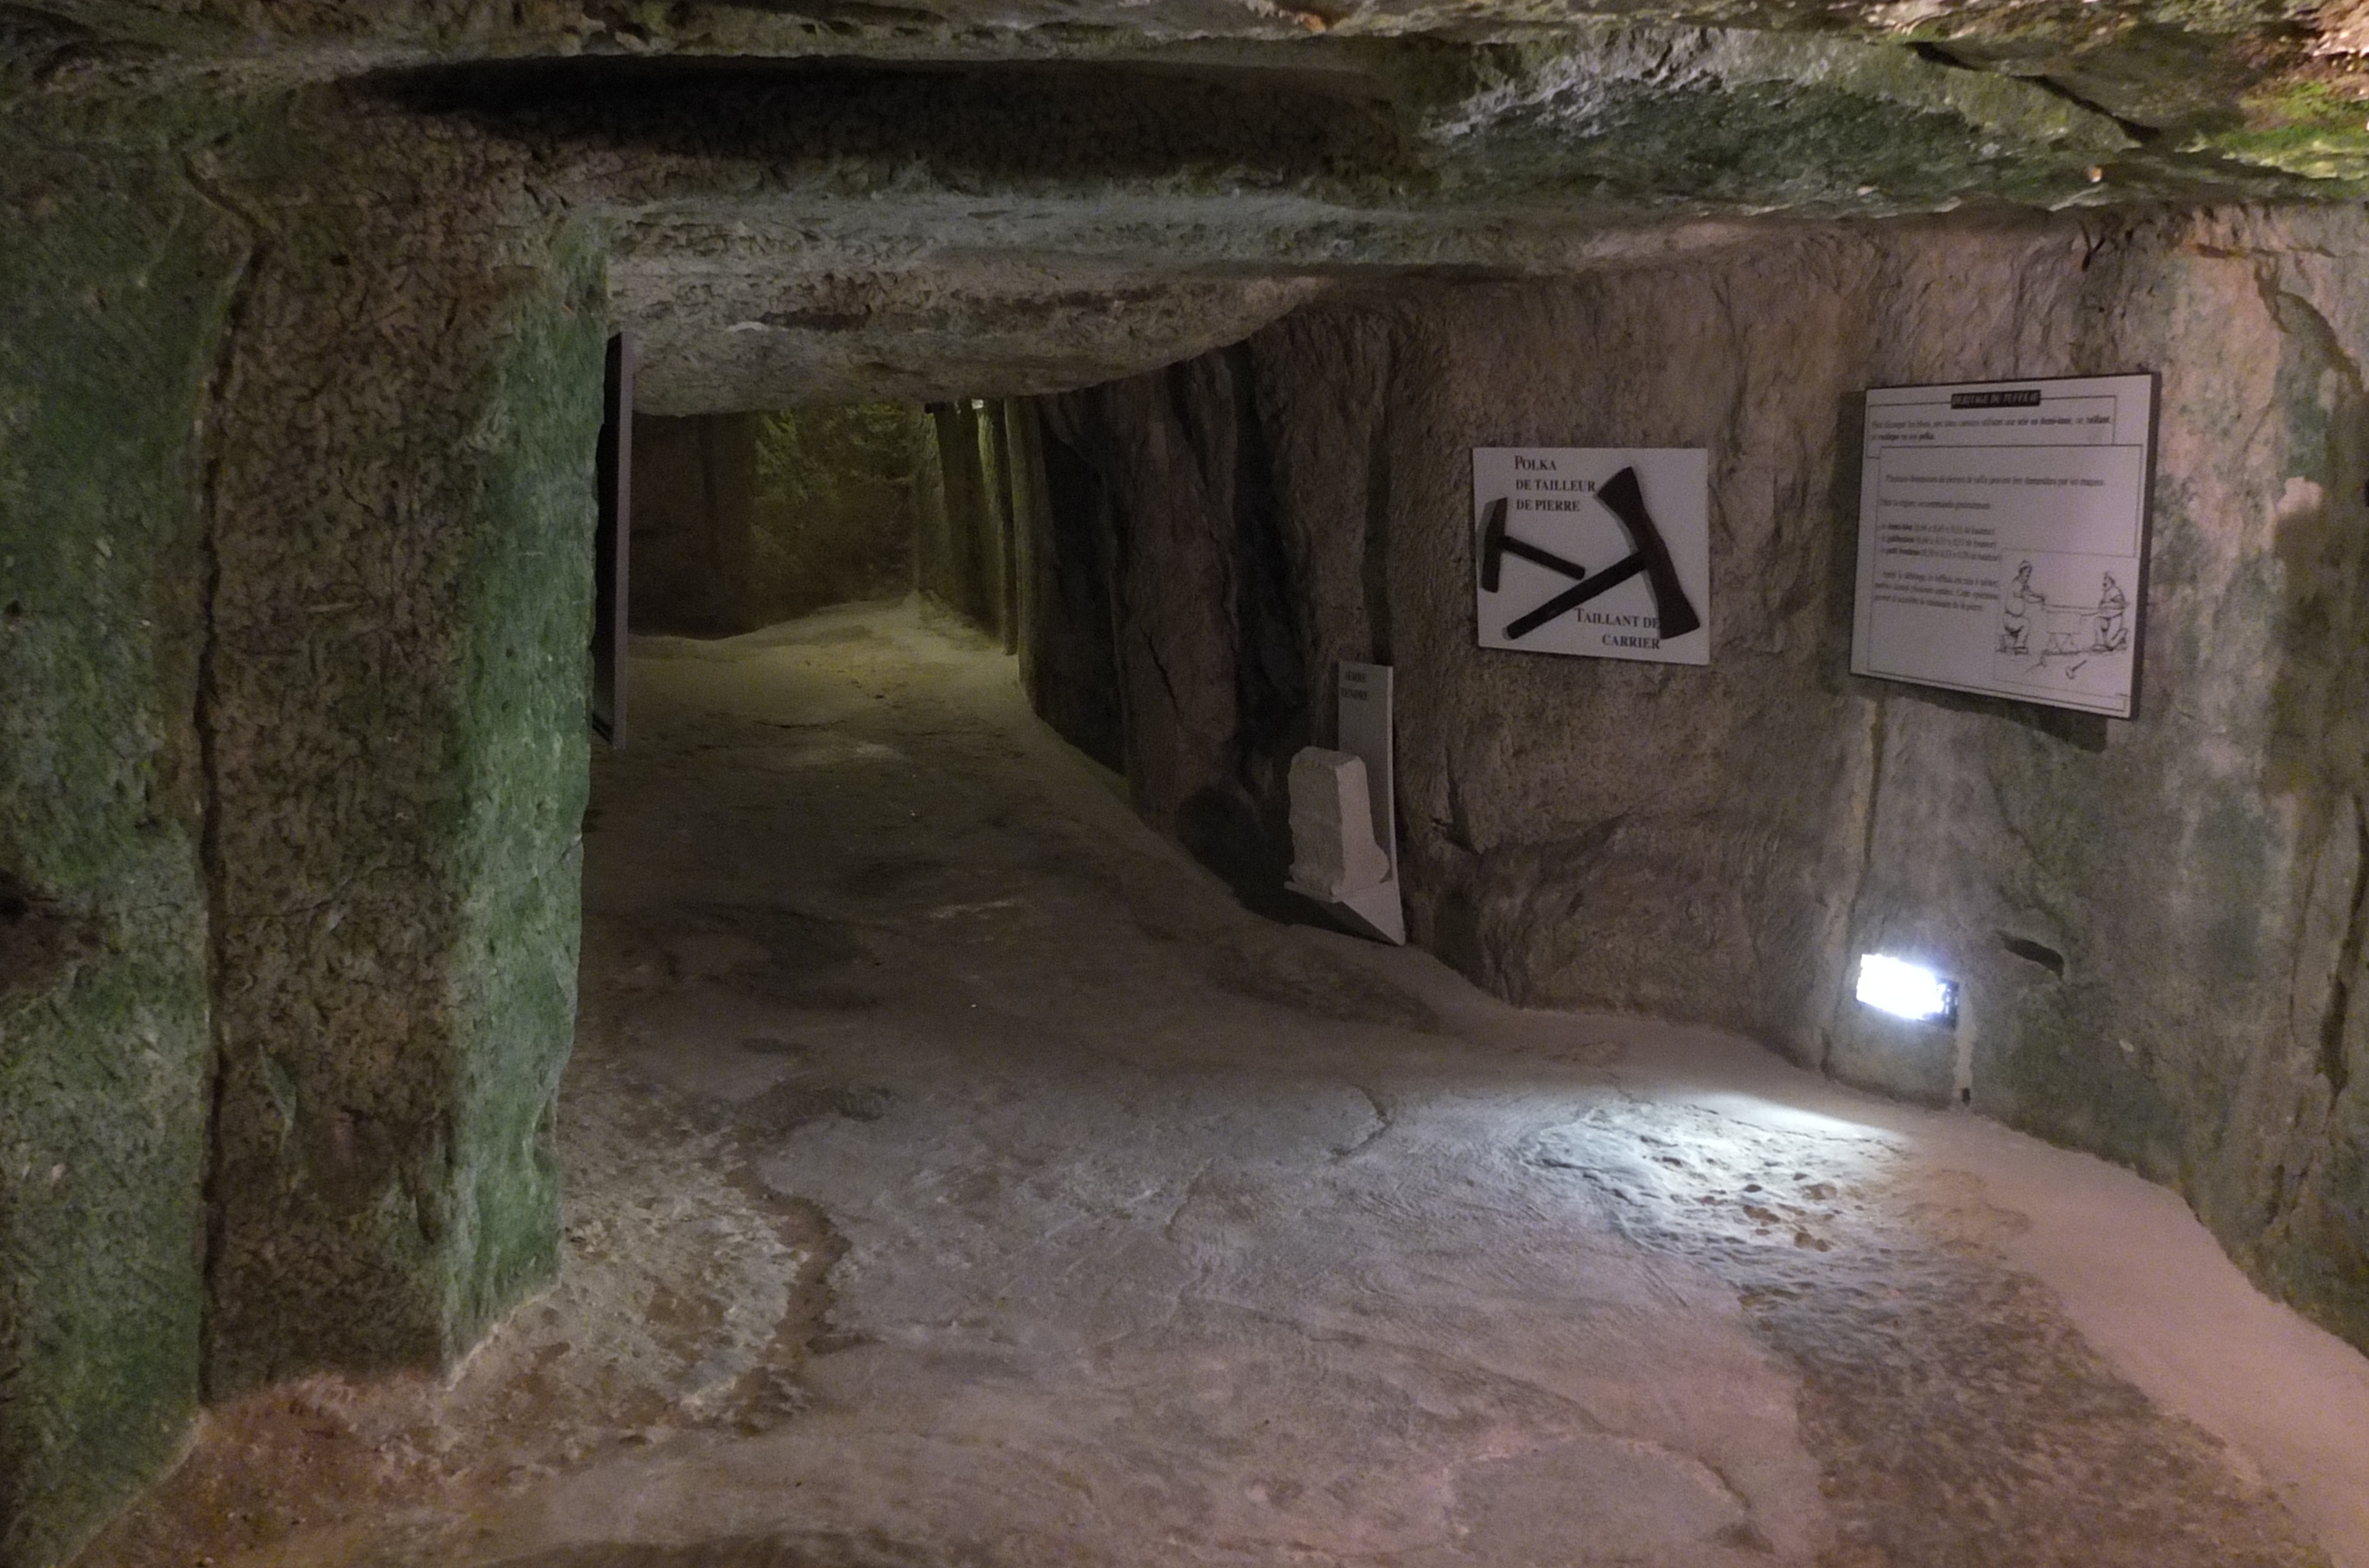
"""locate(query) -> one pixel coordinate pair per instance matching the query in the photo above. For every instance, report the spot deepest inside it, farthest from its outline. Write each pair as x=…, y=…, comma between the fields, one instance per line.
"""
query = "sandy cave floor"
x=958, y=1176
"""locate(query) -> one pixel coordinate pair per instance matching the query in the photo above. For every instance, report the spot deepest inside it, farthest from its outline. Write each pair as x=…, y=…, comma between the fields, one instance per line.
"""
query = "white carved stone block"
x=1333, y=849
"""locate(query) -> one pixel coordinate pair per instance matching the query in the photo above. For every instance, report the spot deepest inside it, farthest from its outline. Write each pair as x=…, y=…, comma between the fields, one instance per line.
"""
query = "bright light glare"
x=1905, y=990
x=1777, y=1115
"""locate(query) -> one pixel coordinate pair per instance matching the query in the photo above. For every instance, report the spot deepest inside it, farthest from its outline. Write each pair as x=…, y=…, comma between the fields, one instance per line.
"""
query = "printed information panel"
x=2002, y=538
x=1601, y=552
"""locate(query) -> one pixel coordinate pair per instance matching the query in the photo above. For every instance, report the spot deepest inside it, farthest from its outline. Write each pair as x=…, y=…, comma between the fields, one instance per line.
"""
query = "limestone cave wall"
x=1166, y=490
x=2156, y=925
x=1015, y=538
x=968, y=554
x=741, y=520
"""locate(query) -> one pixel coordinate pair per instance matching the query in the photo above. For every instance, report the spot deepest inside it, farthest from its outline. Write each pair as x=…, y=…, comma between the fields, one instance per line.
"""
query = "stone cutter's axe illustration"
x=1649, y=556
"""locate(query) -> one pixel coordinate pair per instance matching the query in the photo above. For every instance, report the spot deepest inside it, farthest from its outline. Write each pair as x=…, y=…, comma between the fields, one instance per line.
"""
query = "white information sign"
x=1601, y=552
x=2002, y=538
x=1366, y=732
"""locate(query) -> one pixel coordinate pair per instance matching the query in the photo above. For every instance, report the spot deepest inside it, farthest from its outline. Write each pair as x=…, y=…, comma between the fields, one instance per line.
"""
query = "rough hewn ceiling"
x=843, y=198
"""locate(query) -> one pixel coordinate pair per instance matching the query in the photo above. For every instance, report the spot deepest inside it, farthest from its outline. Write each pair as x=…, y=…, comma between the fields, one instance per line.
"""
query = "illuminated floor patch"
x=1957, y=1415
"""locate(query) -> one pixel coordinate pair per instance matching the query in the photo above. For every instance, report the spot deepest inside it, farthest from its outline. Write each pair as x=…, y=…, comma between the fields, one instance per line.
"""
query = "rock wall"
x=741, y=520
x=2158, y=925
x=967, y=552
x=1214, y=627
x=694, y=480
x=118, y=271
x=1068, y=655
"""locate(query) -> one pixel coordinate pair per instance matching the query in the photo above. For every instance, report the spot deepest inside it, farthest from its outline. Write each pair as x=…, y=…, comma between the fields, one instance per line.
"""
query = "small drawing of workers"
x=2015, y=619
x=2113, y=610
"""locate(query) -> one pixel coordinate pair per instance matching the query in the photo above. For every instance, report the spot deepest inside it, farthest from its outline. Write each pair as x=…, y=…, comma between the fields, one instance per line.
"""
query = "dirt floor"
x=958, y=1176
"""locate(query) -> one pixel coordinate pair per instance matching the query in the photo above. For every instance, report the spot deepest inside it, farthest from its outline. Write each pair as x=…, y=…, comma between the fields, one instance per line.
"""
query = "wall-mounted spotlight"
x=1905, y=990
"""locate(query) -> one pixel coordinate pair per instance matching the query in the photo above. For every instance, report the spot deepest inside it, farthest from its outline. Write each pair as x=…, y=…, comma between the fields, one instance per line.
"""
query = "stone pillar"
x=402, y=518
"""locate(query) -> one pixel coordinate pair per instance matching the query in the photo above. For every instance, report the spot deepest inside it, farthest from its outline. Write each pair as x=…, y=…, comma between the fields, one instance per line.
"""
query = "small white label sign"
x=2002, y=536
x=1597, y=552
x=1365, y=733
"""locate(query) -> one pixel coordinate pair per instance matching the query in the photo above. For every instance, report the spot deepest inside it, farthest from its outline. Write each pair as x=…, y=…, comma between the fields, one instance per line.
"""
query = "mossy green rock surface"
x=404, y=528
x=116, y=273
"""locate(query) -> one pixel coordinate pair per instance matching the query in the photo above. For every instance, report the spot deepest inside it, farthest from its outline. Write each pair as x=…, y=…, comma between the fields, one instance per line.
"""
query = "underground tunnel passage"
x=1128, y=506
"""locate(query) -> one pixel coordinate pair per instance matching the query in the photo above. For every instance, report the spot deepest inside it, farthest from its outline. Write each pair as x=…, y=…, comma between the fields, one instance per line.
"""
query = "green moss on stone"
x=117, y=275
x=2309, y=128
x=399, y=687
x=519, y=856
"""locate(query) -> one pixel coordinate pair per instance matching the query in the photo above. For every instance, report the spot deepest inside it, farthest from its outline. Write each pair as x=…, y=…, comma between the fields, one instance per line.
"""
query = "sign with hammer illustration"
x=1597, y=552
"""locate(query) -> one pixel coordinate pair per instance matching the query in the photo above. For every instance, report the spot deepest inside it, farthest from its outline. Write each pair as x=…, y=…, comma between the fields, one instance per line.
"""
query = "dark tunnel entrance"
x=744, y=522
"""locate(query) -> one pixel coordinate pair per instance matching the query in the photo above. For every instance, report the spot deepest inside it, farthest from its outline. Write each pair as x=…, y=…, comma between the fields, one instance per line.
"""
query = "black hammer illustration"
x=1648, y=556
x=1496, y=544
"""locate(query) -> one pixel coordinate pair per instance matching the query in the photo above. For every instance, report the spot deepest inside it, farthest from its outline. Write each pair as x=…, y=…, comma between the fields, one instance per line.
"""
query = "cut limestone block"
x=1333, y=848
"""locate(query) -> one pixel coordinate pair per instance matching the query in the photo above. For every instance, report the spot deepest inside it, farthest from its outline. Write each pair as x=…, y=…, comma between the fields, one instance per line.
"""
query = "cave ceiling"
x=844, y=198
